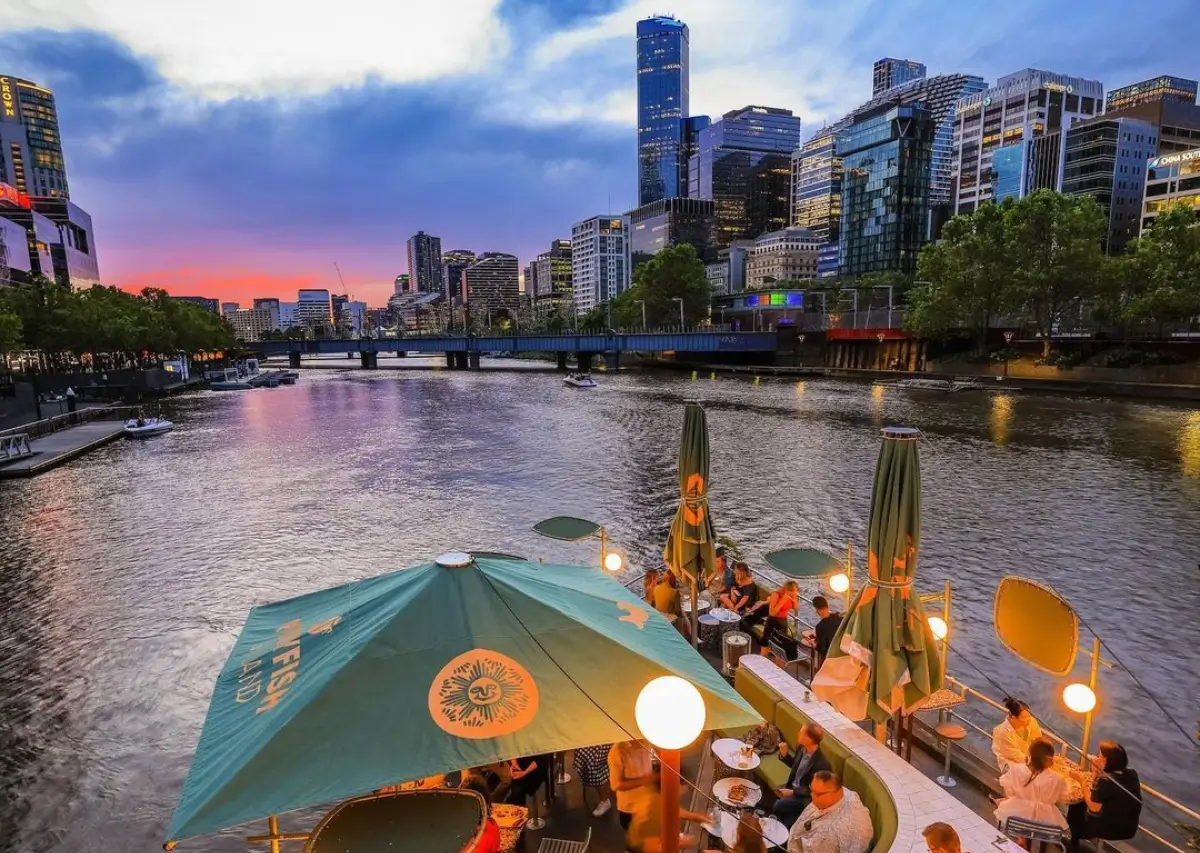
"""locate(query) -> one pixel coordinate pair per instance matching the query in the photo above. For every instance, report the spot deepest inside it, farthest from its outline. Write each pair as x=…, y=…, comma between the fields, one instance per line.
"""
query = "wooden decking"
x=52, y=450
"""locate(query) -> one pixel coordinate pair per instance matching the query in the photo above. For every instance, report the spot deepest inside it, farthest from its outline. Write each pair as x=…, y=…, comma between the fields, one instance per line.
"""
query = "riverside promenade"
x=53, y=448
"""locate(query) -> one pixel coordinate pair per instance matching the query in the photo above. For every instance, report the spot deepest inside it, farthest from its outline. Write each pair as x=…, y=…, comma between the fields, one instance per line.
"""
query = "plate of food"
x=739, y=793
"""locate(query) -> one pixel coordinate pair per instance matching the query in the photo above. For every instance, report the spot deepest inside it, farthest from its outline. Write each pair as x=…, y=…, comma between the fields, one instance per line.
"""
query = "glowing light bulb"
x=1079, y=697
x=839, y=582
x=670, y=712
x=613, y=561
x=939, y=627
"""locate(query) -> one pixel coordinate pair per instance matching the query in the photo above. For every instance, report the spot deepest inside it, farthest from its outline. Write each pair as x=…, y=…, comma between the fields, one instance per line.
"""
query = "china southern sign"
x=1173, y=159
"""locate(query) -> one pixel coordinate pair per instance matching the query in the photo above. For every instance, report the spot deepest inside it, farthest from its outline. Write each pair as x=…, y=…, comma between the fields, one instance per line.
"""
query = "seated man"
x=835, y=821
x=806, y=761
x=941, y=838
x=744, y=593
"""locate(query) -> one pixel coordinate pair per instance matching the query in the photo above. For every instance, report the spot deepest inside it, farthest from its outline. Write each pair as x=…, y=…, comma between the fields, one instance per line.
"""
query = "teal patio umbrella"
x=690, y=551
x=884, y=657
x=457, y=663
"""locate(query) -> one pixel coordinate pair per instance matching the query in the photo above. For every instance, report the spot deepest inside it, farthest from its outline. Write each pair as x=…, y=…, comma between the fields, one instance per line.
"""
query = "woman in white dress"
x=1011, y=739
x=1033, y=790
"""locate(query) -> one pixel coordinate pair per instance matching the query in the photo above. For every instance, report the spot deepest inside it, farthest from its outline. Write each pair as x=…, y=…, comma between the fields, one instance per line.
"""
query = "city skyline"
x=202, y=167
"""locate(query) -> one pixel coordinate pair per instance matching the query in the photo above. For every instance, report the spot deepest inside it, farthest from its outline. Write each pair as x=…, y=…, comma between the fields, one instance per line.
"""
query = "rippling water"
x=127, y=574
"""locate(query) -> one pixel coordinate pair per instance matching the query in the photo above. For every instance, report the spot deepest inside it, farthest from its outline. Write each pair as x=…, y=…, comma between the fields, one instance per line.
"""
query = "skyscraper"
x=669, y=222
x=662, y=75
x=31, y=155
x=598, y=260
x=1029, y=108
x=453, y=264
x=425, y=263
x=1164, y=88
x=889, y=73
x=314, y=308
x=550, y=287
x=817, y=195
x=492, y=283
x=1106, y=159
x=743, y=165
x=401, y=284
x=271, y=305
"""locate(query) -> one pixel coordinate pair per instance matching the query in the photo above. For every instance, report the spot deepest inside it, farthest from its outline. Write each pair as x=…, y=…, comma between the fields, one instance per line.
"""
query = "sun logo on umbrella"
x=482, y=694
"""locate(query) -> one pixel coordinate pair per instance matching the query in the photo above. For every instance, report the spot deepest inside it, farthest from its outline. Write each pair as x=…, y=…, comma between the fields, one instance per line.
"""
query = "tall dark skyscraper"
x=425, y=263
x=743, y=165
x=662, y=74
x=453, y=264
x=889, y=73
x=31, y=156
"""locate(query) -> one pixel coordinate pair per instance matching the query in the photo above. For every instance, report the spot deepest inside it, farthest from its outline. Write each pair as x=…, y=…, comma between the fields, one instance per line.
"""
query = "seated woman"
x=489, y=842
x=667, y=602
x=649, y=581
x=1113, y=808
x=1033, y=790
x=1011, y=739
x=775, y=612
x=744, y=592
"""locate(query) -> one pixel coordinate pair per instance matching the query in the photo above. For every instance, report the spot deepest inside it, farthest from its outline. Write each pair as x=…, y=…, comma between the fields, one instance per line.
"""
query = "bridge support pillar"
x=368, y=360
x=473, y=359
x=583, y=361
x=450, y=360
x=612, y=359
x=562, y=361
x=352, y=354
x=460, y=361
x=294, y=360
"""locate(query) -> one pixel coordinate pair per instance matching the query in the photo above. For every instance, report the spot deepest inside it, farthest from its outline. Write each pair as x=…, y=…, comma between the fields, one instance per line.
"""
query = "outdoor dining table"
x=685, y=604
x=773, y=832
x=722, y=788
x=732, y=753
x=1075, y=789
x=511, y=820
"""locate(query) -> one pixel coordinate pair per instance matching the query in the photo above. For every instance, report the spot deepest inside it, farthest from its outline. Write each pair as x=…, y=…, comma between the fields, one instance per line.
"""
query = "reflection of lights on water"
x=877, y=392
x=1001, y=417
x=799, y=389
x=1189, y=445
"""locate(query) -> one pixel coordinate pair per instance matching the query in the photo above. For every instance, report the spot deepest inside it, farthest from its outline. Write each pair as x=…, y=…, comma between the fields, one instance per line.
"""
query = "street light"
x=882, y=352
x=670, y=714
x=569, y=529
x=642, y=302
x=1081, y=698
x=938, y=626
x=1008, y=336
x=679, y=299
x=613, y=561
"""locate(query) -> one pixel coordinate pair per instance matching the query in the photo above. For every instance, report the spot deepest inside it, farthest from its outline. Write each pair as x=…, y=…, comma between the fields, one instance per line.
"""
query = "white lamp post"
x=670, y=714
x=679, y=299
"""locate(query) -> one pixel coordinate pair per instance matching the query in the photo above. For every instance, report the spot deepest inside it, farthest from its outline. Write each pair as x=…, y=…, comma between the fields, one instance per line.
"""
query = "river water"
x=126, y=575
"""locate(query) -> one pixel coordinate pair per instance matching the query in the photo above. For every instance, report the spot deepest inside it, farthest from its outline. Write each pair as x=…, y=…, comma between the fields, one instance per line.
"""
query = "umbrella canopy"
x=803, y=563
x=453, y=664
x=691, y=544
x=884, y=656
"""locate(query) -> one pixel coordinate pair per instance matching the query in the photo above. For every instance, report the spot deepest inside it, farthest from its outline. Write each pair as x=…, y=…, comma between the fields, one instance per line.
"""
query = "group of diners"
x=1036, y=782
x=734, y=588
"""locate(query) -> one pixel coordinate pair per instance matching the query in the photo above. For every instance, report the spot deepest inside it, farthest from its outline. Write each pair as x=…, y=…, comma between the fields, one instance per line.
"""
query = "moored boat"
x=147, y=427
x=580, y=380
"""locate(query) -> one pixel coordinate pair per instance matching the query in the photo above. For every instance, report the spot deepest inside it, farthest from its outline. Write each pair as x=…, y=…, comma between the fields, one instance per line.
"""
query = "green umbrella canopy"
x=447, y=665
x=691, y=544
x=443, y=820
x=804, y=563
x=884, y=656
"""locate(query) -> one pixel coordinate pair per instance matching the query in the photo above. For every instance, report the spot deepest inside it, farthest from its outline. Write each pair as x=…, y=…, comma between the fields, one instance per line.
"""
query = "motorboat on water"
x=230, y=383
x=147, y=427
x=580, y=380
x=947, y=386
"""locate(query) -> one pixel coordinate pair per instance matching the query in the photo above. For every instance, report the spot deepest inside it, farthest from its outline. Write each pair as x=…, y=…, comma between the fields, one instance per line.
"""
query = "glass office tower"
x=743, y=165
x=662, y=74
x=1164, y=88
x=887, y=157
x=889, y=73
x=31, y=155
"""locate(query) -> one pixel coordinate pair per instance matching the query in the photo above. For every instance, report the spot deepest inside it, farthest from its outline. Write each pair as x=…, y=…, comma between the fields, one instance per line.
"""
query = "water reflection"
x=128, y=573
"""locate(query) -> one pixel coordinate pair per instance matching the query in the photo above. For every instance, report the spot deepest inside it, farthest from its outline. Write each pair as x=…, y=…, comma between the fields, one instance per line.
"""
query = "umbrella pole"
x=693, y=615
x=669, y=776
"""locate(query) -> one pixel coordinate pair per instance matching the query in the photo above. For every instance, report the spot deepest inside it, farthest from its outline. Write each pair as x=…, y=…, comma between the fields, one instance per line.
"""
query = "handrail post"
x=1093, y=678
x=946, y=619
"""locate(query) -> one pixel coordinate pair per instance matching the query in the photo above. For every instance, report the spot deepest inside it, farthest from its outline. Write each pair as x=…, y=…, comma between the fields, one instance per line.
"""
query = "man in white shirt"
x=835, y=822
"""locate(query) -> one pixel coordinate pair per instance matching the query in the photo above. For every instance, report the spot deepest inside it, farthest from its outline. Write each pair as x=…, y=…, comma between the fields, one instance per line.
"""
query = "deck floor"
x=52, y=450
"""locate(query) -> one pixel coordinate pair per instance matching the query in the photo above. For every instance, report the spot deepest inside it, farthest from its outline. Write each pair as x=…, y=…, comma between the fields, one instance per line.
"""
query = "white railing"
x=14, y=447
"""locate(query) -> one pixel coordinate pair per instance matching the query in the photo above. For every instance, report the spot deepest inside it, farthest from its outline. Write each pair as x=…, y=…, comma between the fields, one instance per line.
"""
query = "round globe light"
x=670, y=712
x=939, y=627
x=840, y=582
x=613, y=561
x=1079, y=697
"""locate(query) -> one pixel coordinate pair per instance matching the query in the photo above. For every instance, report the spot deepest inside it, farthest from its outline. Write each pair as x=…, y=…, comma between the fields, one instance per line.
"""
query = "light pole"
x=882, y=353
x=1081, y=698
x=642, y=302
x=679, y=299
x=569, y=529
x=1008, y=336
x=670, y=713
x=854, y=305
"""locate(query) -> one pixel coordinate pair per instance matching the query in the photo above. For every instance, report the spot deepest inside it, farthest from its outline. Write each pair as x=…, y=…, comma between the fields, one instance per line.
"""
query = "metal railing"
x=53, y=424
x=14, y=446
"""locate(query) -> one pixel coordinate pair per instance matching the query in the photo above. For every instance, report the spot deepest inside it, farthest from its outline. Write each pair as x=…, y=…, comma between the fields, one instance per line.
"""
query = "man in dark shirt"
x=827, y=626
x=806, y=761
x=745, y=591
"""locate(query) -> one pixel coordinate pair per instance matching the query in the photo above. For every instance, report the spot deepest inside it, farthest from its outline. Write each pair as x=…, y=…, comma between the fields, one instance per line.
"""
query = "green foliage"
x=10, y=332
x=1166, y=260
x=674, y=272
x=103, y=319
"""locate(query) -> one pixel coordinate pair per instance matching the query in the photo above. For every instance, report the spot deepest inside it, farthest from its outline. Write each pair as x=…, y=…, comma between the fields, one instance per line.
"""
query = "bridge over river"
x=463, y=351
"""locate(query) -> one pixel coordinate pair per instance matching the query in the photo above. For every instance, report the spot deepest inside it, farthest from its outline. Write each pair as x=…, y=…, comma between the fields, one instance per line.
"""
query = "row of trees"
x=60, y=323
x=1037, y=260
x=674, y=273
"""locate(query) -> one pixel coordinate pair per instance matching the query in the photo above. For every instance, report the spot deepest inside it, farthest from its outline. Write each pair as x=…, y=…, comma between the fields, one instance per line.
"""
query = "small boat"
x=580, y=380
x=234, y=383
x=147, y=427
x=288, y=378
x=948, y=386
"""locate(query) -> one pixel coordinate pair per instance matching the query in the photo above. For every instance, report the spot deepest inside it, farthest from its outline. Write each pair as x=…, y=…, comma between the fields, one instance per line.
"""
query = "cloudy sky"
x=238, y=148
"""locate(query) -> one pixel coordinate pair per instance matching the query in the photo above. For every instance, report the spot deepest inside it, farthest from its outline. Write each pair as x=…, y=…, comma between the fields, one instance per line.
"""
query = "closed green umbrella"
x=691, y=544
x=458, y=663
x=884, y=657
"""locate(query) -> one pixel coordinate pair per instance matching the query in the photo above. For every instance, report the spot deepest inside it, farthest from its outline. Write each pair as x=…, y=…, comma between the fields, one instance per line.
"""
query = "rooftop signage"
x=12, y=197
x=8, y=100
x=1174, y=159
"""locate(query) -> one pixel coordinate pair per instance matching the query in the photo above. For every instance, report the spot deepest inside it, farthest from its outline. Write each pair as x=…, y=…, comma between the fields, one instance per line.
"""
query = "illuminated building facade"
x=1164, y=88
x=31, y=155
x=599, y=260
x=58, y=242
x=817, y=195
x=662, y=93
x=492, y=283
x=789, y=254
x=1171, y=179
x=453, y=264
x=249, y=324
x=1106, y=159
x=548, y=280
x=668, y=222
x=887, y=154
x=1030, y=106
x=314, y=308
x=889, y=73
x=425, y=263
x=743, y=165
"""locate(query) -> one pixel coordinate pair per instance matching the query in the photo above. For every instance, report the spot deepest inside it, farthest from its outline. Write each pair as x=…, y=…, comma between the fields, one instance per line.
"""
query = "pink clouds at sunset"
x=244, y=286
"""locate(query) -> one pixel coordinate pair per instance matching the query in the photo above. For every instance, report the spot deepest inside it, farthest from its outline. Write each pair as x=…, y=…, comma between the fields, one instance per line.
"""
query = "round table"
x=685, y=604
x=730, y=751
x=1075, y=789
x=710, y=630
x=774, y=832
x=753, y=792
x=726, y=619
